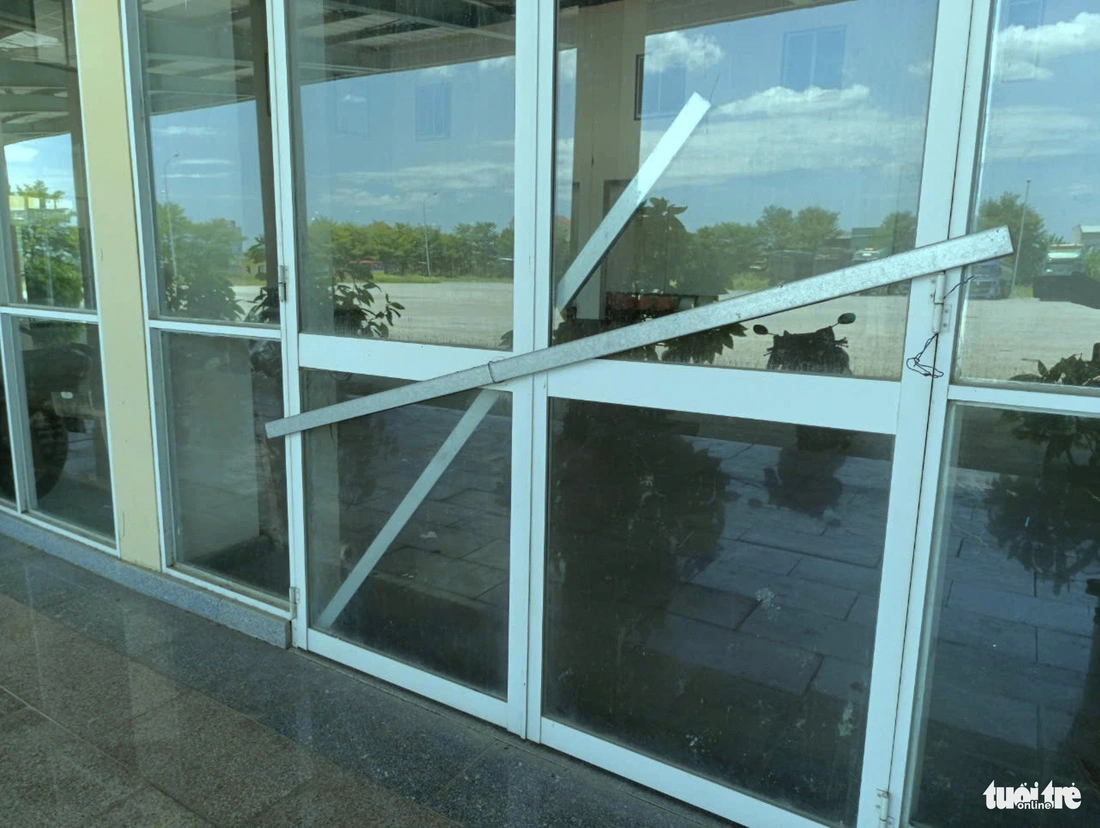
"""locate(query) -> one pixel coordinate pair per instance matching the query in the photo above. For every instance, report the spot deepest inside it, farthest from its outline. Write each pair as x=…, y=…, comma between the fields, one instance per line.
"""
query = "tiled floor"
x=116, y=709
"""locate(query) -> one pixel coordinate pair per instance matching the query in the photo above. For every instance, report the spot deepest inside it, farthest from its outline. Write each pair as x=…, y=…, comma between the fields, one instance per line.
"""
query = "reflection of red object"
x=645, y=303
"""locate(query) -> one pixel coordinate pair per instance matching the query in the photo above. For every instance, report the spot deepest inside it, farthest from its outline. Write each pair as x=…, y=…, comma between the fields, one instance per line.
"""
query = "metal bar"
x=462, y=432
x=978, y=247
x=633, y=197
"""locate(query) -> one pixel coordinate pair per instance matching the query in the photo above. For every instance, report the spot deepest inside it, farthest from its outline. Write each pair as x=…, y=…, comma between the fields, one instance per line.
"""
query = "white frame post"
x=879, y=791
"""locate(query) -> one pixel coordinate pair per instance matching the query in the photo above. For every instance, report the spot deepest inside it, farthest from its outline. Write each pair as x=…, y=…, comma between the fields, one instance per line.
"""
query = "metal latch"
x=283, y=277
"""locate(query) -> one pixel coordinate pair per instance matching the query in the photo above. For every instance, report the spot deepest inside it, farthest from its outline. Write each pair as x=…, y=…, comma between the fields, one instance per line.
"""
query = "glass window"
x=711, y=594
x=408, y=236
x=808, y=160
x=204, y=67
x=1035, y=315
x=1014, y=697
x=7, y=466
x=227, y=480
x=408, y=521
x=42, y=160
x=66, y=423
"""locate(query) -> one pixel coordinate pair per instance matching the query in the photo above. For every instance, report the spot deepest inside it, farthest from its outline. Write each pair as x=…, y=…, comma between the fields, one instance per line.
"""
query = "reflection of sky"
x=855, y=149
x=49, y=159
x=1044, y=116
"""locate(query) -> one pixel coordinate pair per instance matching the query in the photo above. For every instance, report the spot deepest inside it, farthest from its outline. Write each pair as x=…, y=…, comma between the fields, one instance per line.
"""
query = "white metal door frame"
x=897, y=407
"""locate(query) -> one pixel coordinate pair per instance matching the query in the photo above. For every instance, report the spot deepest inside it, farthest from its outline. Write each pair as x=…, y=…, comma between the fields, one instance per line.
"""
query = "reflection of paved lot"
x=1006, y=336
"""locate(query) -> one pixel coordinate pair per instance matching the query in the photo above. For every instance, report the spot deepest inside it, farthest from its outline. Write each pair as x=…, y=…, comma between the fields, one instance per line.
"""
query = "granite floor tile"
x=47, y=771
x=85, y=686
x=216, y=762
x=512, y=787
x=35, y=583
x=337, y=798
x=127, y=623
x=9, y=703
x=240, y=672
x=11, y=550
x=380, y=737
x=146, y=807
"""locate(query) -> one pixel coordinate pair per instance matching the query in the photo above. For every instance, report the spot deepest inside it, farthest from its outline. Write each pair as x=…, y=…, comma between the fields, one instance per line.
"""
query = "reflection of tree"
x=638, y=511
x=896, y=234
x=200, y=261
x=1007, y=211
x=1051, y=523
x=48, y=247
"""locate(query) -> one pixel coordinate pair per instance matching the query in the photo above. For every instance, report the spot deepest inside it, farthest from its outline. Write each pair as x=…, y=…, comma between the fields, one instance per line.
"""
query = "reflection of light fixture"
x=28, y=40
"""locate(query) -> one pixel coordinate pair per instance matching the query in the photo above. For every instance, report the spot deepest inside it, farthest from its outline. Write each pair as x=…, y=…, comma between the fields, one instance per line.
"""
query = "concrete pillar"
x=118, y=275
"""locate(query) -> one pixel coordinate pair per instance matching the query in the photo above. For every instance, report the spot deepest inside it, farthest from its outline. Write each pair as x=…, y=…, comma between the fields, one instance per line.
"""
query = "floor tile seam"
x=445, y=786
x=134, y=771
x=622, y=784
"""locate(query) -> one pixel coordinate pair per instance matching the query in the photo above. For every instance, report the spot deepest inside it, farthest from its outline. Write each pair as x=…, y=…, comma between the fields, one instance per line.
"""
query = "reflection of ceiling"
x=36, y=77
x=200, y=52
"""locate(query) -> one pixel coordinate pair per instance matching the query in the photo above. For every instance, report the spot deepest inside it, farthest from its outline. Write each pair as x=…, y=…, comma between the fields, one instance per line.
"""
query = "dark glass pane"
x=1014, y=688
x=227, y=480
x=424, y=581
x=711, y=594
x=67, y=424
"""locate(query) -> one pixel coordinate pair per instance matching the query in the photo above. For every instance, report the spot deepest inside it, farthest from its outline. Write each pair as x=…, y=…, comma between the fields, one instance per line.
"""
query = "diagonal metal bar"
x=633, y=197
x=462, y=432
x=967, y=250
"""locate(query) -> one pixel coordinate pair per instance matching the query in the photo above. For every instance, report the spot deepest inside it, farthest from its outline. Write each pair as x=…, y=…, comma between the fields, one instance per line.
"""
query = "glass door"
x=688, y=564
x=404, y=169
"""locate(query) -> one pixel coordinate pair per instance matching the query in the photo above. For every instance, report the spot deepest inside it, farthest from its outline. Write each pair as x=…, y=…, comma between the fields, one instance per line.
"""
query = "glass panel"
x=227, y=480
x=1034, y=316
x=42, y=158
x=7, y=471
x=407, y=122
x=1014, y=695
x=437, y=595
x=808, y=160
x=711, y=593
x=68, y=426
x=210, y=159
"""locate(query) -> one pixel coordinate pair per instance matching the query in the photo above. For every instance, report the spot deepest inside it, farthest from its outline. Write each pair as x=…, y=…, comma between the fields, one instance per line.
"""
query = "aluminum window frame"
x=11, y=363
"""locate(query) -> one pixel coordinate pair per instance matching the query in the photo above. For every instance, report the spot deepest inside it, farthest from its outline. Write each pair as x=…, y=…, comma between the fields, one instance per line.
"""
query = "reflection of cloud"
x=697, y=52
x=1041, y=131
x=920, y=70
x=20, y=154
x=1022, y=53
x=779, y=100
x=781, y=130
x=567, y=65
x=188, y=131
x=460, y=179
x=198, y=175
x=493, y=64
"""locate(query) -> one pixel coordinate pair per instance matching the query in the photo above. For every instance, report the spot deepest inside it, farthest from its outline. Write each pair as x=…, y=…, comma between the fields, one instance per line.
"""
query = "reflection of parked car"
x=989, y=280
x=59, y=383
x=1063, y=272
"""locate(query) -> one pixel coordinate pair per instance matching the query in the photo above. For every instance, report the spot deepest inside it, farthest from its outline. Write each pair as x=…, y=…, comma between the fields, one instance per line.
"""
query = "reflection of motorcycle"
x=819, y=352
x=57, y=380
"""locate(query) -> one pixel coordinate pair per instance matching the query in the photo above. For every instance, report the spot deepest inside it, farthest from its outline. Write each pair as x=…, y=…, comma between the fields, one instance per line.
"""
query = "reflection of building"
x=1086, y=235
x=830, y=574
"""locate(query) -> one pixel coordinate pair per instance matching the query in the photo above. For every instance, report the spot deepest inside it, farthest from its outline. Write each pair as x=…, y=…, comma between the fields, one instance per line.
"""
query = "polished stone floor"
x=116, y=709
